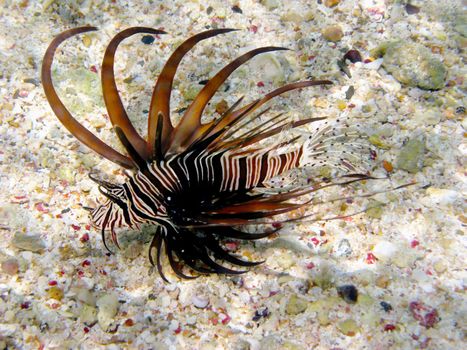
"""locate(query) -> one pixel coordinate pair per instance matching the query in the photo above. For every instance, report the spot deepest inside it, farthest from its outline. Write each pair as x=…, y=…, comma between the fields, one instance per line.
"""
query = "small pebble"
x=270, y=4
x=344, y=248
x=427, y=316
x=348, y=327
x=387, y=166
x=32, y=243
x=348, y=292
x=295, y=305
x=440, y=266
x=200, y=302
x=333, y=33
x=107, y=309
x=353, y=56
x=147, y=39
x=414, y=65
x=190, y=91
x=375, y=212
x=292, y=16
x=341, y=104
x=222, y=107
x=85, y=295
x=412, y=9
x=331, y=3
x=86, y=40
x=412, y=155
x=236, y=9
x=10, y=266
x=386, y=306
x=385, y=250
x=382, y=281
x=55, y=293
x=261, y=313
x=350, y=92
x=129, y=322
x=88, y=314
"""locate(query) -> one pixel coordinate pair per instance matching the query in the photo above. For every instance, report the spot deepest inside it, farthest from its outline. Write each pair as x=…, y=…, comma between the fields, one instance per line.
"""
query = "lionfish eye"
x=203, y=183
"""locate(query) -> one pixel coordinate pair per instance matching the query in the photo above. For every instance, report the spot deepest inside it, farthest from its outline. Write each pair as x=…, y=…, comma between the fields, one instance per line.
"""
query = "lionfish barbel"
x=199, y=183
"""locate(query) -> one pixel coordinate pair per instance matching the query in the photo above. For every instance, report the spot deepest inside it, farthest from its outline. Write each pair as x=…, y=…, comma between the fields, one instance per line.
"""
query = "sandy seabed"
x=406, y=258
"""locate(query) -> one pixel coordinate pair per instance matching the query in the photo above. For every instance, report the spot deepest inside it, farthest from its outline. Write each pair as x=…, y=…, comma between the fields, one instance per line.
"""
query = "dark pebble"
x=460, y=110
x=34, y=81
x=147, y=39
x=209, y=10
x=353, y=56
x=181, y=110
x=44, y=327
x=350, y=92
x=236, y=9
x=386, y=306
x=348, y=292
x=203, y=82
x=260, y=313
x=411, y=9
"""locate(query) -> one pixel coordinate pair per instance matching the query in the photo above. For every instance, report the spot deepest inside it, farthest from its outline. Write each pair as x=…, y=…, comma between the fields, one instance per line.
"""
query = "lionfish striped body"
x=198, y=183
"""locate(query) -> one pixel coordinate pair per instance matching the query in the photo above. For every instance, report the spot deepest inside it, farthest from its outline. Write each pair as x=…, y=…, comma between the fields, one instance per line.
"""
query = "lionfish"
x=200, y=183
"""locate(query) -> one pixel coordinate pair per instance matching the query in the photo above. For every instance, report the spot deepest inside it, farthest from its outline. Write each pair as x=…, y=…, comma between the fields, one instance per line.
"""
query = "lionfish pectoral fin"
x=105, y=222
x=160, y=100
x=224, y=255
x=232, y=233
x=65, y=117
x=105, y=242
x=268, y=208
x=206, y=259
x=176, y=267
x=113, y=102
x=156, y=244
x=115, y=238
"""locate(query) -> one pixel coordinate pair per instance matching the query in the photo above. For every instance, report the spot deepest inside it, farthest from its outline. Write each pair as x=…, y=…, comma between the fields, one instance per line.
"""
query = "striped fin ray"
x=65, y=117
x=160, y=100
x=190, y=128
x=113, y=102
x=231, y=119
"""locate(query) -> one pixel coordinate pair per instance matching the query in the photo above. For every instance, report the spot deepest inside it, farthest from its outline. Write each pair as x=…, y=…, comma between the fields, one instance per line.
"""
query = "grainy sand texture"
x=392, y=277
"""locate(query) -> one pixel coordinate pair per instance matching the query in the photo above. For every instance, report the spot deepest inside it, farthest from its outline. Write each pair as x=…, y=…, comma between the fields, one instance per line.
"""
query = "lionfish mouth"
x=201, y=183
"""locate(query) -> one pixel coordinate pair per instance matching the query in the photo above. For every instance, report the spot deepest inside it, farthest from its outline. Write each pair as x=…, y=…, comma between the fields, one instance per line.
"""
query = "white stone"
x=442, y=196
x=108, y=308
x=200, y=301
x=385, y=250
